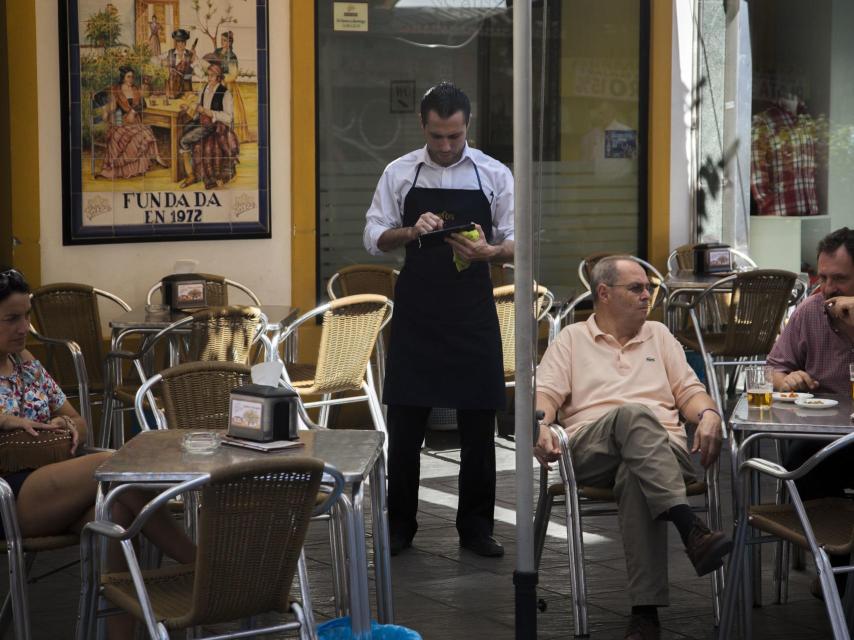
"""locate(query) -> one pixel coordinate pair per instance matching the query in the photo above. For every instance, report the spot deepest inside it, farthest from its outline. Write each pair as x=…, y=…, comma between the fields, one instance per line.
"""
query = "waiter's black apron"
x=445, y=344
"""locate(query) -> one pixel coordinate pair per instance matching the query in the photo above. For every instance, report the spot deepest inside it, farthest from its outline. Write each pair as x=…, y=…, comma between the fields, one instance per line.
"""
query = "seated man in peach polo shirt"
x=618, y=383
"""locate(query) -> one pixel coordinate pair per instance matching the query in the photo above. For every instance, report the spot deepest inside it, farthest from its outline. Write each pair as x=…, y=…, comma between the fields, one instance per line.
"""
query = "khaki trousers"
x=629, y=450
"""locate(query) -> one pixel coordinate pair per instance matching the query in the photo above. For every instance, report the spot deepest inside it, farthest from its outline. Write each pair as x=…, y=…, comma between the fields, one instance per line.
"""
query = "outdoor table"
x=797, y=423
x=157, y=457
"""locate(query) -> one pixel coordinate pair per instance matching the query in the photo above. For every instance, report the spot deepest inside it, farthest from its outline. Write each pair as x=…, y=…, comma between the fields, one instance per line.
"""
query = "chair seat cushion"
x=48, y=543
x=170, y=589
x=832, y=521
x=604, y=494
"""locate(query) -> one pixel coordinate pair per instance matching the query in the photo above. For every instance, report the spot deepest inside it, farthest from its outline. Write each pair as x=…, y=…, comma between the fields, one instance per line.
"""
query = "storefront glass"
x=802, y=138
x=589, y=87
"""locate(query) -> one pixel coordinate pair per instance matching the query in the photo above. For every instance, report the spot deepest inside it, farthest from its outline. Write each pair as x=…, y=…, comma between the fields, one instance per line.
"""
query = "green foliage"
x=103, y=28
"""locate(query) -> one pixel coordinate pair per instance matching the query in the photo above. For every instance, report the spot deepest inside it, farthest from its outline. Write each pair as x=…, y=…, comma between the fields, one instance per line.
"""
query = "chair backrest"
x=350, y=329
x=682, y=259
x=216, y=290
x=196, y=394
x=250, y=536
x=505, y=306
x=363, y=278
x=224, y=333
x=758, y=303
x=69, y=311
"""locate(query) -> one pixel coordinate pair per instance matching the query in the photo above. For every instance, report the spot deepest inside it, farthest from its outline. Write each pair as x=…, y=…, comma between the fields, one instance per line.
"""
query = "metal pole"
x=525, y=575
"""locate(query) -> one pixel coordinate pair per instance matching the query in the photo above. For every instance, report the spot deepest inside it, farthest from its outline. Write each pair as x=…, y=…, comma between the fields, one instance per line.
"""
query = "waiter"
x=445, y=346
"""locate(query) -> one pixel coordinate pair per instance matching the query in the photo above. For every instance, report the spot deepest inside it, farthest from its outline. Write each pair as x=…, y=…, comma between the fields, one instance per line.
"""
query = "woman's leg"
x=54, y=497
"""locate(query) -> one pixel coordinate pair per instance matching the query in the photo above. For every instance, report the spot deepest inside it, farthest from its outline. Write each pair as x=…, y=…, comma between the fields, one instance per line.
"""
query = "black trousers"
x=406, y=429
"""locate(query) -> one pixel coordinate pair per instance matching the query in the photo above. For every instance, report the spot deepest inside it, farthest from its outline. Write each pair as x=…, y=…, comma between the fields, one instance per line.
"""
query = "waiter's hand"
x=427, y=222
x=471, y=250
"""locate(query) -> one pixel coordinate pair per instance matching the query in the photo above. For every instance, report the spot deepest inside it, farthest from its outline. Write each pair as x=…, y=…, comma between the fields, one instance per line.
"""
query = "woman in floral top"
x=60, y=497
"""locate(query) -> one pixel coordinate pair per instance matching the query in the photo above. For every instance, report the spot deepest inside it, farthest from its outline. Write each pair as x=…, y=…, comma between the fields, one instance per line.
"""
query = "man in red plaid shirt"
x=783, y=161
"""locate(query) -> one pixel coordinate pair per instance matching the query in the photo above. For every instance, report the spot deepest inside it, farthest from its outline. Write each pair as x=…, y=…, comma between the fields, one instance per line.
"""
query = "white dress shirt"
x=386, y=211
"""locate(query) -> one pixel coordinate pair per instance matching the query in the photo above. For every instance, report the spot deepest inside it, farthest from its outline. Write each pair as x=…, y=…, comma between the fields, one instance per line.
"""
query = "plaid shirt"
x=783, y=163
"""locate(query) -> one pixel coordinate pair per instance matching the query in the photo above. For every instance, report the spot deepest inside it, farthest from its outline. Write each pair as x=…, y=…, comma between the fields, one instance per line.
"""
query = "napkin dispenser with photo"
x=184, y=291
x=712, y=258
x=263, y=413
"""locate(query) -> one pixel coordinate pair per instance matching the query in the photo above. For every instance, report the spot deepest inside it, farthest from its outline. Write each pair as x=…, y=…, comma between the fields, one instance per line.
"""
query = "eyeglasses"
x=636, y=287
x=10, y=276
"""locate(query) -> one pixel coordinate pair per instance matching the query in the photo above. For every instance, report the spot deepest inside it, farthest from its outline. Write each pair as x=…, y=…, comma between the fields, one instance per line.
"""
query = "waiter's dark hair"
x=445, y=99
x=835, y=239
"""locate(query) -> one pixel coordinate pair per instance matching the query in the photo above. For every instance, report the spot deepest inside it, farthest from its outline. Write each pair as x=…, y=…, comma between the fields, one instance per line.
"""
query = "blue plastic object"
x=339, y=629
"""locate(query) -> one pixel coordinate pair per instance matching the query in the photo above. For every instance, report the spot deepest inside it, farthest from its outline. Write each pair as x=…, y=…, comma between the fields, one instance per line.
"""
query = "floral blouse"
x=29, y=392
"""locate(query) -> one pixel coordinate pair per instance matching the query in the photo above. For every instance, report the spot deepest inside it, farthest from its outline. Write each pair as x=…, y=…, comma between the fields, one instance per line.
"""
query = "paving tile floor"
x=446, y=593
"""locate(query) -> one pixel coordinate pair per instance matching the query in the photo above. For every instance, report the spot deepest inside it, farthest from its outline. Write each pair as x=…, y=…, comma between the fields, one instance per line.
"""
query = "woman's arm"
x=67, y=417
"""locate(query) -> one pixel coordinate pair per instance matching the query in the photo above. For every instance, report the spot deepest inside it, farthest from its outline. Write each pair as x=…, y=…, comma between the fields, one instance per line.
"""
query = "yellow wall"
x=23, y=138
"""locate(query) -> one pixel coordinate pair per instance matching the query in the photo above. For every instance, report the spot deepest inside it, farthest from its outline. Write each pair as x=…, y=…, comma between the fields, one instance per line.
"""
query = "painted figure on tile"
x=210, y=150
x=154, y=36
x=179, y=61
x=225, y=54
x=131, y=145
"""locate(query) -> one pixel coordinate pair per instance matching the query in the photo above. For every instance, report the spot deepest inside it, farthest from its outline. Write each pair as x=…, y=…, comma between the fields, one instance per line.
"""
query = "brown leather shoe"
x=642, y=628
x=706, y=549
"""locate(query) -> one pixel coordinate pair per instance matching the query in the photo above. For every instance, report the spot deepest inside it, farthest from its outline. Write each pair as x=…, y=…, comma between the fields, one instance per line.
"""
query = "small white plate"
x=816, y=403
x=785, y=396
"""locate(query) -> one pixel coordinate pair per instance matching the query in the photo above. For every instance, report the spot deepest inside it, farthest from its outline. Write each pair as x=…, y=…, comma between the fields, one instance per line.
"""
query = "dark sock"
x=649, y=611
x=683, y=518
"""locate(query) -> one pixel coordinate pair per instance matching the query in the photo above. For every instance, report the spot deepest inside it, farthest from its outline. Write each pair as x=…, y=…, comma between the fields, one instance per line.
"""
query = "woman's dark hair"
x=123, y=71
x=843, y=237
x=445, y=99
x=12, y=281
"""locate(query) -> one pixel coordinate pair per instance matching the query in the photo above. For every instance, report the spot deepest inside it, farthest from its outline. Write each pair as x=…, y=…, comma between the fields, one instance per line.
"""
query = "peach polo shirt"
x=587, y=373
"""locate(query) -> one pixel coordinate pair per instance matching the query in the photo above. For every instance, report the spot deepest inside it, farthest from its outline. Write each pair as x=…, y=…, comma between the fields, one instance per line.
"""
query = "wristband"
x=715, y=411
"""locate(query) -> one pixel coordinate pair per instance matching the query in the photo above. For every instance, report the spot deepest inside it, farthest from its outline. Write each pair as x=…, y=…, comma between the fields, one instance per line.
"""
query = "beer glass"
x=759, y=386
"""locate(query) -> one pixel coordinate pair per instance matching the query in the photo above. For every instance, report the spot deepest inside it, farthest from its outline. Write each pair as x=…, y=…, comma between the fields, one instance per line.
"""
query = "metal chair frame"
x=367, y=386
x=226, y=281
x=575, y=500
x=840, y=615
x=137, y=359
x=155, y=629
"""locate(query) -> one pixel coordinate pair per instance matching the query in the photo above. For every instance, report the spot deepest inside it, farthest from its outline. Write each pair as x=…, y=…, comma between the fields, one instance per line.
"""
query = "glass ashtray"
x=158, y=311
x=200, y=442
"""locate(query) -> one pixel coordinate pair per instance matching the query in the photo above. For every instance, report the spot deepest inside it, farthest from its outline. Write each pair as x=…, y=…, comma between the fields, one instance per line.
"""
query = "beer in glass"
x=759, y=386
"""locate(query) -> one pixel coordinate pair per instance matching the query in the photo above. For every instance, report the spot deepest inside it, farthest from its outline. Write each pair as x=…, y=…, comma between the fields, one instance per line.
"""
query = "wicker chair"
x=22, y=551
x=216, y=334
x=823, y=527
x=66, y=311
x=566, y=315
x=194, y=395
x=593, y=501
x=758, y=301
x=506, y=308
x=367, y=278
x=251, y=534
x=216, y=290
x=351, y=326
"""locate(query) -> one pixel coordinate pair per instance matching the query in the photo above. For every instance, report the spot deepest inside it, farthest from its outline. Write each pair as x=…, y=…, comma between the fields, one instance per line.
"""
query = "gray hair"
x=605, y=271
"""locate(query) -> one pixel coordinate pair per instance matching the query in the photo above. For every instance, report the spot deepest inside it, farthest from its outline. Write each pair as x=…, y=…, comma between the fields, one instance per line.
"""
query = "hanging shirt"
x=782, y=166
x=386, y=210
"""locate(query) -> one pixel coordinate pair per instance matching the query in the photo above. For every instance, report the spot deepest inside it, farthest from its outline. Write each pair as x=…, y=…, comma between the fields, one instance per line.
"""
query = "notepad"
x=273, y=445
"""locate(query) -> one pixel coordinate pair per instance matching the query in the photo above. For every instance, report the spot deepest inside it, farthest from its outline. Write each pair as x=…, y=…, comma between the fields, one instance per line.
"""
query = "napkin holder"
x=712, y=258
x=184, y=291
x=263, y=413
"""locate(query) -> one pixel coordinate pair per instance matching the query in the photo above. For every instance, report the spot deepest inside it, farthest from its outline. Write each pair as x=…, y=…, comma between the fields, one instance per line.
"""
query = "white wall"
x=681, y=168
x=129, y=270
